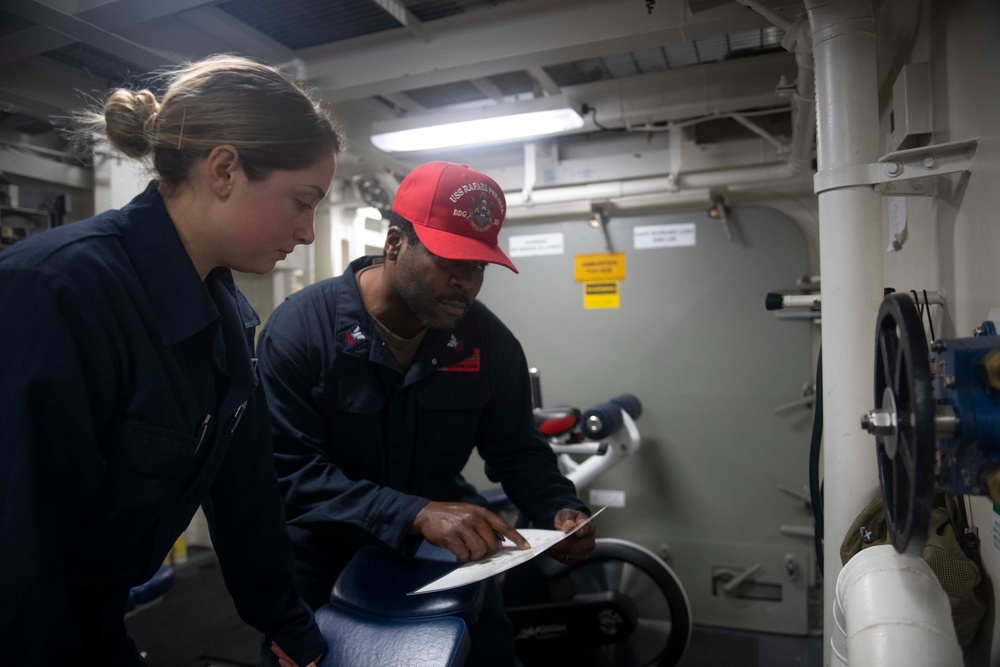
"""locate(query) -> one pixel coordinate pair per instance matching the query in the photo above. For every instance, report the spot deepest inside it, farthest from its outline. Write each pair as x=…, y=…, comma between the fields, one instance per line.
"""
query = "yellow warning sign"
x=600, y=295
x=600, y=266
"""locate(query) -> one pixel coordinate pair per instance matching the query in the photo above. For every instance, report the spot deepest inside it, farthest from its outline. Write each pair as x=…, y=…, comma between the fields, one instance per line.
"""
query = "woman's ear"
x=221, y=167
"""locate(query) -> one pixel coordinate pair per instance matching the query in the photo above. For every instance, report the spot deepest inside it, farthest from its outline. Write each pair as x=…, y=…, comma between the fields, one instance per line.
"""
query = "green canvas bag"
x=952, y=552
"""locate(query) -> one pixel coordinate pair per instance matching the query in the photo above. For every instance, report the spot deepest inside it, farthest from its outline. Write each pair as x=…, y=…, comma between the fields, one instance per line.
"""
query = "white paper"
x=509, y=556
x=607, y=497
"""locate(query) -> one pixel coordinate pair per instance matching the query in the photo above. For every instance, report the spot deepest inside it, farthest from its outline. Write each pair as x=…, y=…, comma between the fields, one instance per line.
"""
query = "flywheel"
x=903, y=422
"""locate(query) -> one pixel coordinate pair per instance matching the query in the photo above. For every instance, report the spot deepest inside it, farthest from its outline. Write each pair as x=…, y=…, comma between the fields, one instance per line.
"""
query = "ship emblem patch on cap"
x=481, y=214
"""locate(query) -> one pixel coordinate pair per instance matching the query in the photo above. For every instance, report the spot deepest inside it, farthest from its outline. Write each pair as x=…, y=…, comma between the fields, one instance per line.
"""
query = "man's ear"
x=394, y=240
x=221, y=167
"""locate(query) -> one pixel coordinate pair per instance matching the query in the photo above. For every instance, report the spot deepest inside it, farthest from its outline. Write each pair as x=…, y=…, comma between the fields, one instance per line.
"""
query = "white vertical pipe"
x=850, y=232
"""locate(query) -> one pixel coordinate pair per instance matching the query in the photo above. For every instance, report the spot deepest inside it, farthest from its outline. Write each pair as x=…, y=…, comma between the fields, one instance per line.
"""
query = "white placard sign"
x=664, y=236
x=533, y=245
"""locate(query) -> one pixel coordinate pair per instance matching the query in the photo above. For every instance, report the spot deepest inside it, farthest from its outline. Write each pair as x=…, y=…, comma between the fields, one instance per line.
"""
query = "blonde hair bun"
x=130, y=119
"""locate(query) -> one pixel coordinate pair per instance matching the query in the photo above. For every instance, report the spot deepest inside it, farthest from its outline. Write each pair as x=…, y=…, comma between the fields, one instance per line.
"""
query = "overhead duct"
x=803, y=104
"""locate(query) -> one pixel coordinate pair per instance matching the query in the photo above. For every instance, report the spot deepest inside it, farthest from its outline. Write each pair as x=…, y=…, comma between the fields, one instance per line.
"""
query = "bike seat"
x=358, y=640
x=156, y=587
x=376, y=582
x=556, y=421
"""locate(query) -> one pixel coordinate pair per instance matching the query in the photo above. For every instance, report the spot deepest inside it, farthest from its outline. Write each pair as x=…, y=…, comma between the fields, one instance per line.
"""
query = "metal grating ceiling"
x=299, y=24
x=429, y=10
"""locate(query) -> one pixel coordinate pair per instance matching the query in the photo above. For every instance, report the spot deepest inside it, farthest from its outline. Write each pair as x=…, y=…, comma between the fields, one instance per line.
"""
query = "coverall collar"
x=183, y=304
x=440, y=350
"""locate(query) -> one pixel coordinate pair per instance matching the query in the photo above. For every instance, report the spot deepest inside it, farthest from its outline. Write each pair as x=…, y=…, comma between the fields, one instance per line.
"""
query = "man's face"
x=436, y=290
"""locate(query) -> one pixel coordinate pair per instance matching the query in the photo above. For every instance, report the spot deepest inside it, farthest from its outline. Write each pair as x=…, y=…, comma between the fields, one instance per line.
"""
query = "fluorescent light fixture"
x=503, y=122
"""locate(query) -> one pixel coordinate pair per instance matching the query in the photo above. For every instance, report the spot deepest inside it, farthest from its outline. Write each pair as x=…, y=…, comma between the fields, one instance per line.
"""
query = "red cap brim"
x=461, y=248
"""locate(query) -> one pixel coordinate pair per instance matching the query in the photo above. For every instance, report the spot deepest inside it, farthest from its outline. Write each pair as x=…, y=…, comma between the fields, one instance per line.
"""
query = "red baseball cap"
x=456, y=211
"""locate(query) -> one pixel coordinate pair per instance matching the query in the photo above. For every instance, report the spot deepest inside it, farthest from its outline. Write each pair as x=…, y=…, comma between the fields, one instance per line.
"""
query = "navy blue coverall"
x=360, y=447
x=127, y=398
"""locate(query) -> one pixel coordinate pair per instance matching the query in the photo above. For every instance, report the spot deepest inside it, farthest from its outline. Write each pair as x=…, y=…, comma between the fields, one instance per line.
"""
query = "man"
x=383, y=381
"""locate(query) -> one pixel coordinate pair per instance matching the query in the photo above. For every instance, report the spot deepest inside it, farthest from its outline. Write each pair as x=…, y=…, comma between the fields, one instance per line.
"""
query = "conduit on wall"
x=890, y=610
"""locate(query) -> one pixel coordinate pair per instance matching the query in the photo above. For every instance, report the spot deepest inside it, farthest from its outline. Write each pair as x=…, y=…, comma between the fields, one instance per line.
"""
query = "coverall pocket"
x=151, y=450
x=147, y=470
x=458, y=396
x=448, y=422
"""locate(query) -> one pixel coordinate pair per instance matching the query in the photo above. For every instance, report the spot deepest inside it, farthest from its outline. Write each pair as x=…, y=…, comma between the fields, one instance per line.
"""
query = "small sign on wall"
x=601, y=274
x=664, y=236
x=600, y=295
x=534, y=245
x=600, y=266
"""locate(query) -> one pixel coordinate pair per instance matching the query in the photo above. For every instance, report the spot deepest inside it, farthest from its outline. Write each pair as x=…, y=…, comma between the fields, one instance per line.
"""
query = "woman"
x=128, y=384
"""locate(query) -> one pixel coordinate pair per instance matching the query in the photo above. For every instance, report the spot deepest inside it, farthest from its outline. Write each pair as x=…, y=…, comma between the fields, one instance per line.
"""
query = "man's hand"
x=468, y=531
x=577, y=547
x=285, y=661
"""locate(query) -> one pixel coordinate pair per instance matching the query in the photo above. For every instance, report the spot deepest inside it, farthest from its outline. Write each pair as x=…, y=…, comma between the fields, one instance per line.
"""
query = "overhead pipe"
x=850, y=245
x=890, y=609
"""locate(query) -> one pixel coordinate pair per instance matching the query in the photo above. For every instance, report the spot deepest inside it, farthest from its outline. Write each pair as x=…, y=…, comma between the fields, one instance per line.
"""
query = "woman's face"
x=266, y=219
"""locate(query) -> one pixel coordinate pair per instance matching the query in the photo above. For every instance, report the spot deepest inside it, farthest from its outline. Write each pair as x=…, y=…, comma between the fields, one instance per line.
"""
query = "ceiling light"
x=503, y=122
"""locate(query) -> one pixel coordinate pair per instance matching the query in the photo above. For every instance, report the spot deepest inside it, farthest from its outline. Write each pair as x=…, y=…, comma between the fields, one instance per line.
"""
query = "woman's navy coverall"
x=127, y=398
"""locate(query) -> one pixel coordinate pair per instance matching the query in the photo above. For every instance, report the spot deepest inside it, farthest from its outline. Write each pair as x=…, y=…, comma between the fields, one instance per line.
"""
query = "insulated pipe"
x=657, y=184
x=890, y=609
x=850, y=232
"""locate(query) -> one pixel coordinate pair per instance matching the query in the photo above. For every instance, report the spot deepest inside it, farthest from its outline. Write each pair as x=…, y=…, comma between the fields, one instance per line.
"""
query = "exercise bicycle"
x=623, y=606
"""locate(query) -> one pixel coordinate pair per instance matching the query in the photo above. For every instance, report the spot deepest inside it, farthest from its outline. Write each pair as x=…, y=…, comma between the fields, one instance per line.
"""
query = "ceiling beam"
x=79, y=30
x=218, y=25
x=488, y=88
x=109, y=16
x=547, y=33
x=544, y=81
x=398, y=11
x=19, y=84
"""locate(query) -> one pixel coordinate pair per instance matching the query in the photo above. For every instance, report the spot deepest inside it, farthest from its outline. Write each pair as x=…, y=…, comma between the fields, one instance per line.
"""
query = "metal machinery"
x=936, y=418
x=17, y=224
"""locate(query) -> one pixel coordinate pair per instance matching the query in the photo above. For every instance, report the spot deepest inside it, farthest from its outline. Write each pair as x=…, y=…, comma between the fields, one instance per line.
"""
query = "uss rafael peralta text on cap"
x=456, y=212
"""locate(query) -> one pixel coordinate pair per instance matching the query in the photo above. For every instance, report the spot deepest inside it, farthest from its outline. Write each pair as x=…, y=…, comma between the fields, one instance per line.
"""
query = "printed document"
x=509, y=556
